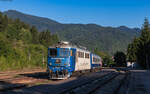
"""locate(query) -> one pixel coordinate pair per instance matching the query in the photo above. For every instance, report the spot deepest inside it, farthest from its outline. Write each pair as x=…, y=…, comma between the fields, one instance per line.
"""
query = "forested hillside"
x=92, y=36
x=21, y=45
x=105, y=39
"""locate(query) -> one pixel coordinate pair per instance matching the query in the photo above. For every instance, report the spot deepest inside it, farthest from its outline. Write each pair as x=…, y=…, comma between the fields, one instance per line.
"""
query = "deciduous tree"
x=120, y=59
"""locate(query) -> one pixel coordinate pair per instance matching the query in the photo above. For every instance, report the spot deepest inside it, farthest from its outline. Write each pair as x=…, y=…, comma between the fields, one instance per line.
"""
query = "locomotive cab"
x=59, y=63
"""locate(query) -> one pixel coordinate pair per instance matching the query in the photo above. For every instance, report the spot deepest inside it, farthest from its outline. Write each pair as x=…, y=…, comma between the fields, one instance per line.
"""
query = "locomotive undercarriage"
x=59, y=75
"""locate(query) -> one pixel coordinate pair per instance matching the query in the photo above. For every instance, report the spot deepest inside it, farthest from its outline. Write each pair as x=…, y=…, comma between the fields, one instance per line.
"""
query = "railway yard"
x=106, y=81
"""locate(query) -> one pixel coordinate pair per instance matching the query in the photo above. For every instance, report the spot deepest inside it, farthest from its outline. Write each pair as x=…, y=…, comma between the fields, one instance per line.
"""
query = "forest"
x=21, y=45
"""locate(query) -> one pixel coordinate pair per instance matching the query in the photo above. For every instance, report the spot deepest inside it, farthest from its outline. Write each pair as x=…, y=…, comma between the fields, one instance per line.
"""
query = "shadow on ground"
x=4, y=86
x=37, y=75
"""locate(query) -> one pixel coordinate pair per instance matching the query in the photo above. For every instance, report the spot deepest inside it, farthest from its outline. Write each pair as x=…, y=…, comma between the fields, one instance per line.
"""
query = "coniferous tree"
x=144, y=47
x=3, y=22
x=34, y=34
x=55, y=38
x=132, y=50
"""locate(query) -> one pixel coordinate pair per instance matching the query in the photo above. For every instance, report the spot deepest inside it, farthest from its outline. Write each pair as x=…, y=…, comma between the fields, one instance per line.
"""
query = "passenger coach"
x=63, y=59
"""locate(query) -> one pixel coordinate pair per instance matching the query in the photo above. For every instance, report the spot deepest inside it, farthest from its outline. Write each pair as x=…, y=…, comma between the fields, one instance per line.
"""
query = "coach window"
x=86, y=55
x=96, y=59
x=78, y=54
x=81, y=54
x=93, y=59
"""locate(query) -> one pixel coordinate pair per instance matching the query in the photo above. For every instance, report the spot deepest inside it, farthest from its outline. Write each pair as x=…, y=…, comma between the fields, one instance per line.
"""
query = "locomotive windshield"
x=53, y=52
x=64, y=52
x=59, y=52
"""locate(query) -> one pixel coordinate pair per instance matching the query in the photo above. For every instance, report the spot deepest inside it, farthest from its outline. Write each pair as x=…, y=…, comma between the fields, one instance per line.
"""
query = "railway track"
x=110, y=83
x=76, y=88
x=89, y=83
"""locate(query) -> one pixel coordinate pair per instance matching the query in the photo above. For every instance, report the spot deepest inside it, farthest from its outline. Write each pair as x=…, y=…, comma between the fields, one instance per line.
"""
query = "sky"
x=113, y=13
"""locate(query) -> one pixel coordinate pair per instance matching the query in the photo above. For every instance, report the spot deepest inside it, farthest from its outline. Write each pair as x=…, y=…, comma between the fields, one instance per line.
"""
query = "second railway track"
x=111, y=81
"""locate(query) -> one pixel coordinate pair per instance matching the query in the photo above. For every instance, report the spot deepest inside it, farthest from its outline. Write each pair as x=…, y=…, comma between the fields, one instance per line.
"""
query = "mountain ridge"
x=11, y=13
x=106, y=39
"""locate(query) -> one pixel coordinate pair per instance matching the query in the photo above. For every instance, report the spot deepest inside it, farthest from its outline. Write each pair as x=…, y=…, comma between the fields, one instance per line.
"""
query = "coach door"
x=80, y=60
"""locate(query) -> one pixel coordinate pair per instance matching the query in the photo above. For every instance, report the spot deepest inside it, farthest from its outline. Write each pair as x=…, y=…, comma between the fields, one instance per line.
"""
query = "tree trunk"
x=29, y=55
x=43, y=59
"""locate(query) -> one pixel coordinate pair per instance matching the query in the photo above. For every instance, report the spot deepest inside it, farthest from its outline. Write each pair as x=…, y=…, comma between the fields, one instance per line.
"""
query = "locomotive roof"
x=68, y=45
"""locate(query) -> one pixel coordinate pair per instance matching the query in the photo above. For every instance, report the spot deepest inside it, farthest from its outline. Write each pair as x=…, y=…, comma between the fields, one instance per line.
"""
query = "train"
x=64, y=59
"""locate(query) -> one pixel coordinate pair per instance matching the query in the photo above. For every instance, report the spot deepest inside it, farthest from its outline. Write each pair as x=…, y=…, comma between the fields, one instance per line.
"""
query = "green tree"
x=34, y=33
x=143, y=56
x=108, y=61
x=55, y=38
x=47, y=39
x=3, y=22
x=120, y=59
x=132, y=50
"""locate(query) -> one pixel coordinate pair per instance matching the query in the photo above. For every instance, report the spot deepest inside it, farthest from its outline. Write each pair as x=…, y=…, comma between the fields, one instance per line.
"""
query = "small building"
x=131, y=64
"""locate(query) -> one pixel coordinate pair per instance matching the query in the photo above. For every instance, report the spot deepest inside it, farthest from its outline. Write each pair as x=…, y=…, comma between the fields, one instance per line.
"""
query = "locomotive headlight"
x=50, y=63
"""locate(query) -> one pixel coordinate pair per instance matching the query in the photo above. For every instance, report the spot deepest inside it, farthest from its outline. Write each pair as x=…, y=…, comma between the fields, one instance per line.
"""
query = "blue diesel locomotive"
x=64, y=59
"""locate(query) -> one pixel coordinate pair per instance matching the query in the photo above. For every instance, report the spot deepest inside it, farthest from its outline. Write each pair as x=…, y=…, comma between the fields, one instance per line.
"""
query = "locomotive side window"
x=53, y=52
x=86, y=55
